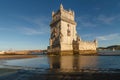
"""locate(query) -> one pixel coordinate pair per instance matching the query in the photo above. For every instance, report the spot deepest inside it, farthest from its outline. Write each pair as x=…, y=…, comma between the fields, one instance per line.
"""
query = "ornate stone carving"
x=61, y=37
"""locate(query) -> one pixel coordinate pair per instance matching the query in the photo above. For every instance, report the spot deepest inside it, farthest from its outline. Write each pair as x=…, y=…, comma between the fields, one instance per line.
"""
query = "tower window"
x=68, y=30
x=68, y=25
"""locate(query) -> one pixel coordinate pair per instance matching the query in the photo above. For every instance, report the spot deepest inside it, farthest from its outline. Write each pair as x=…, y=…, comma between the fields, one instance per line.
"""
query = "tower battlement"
x=67, y=15
x=62, y=10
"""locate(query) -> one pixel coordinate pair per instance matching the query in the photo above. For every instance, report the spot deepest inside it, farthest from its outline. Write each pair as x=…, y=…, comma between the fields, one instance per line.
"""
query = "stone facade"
x=64, y=39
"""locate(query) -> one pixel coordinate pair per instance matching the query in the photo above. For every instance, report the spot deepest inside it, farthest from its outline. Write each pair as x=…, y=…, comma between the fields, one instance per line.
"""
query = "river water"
x=65, y=62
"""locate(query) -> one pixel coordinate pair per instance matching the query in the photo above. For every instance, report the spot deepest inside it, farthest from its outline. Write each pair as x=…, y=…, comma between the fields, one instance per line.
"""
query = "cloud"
x=119, y=4
x=88, y=35
x=5, y=29
x=31, y=31
x=96, y=21
x=39, y=25
x=85, y=21
x=97, y=8
x=88, y=24
x=108, y=37
x=106, y=19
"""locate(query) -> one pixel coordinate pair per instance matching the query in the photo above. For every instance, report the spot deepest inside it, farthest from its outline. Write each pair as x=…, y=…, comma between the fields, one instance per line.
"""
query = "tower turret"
x=61, y=6
x=53, y=13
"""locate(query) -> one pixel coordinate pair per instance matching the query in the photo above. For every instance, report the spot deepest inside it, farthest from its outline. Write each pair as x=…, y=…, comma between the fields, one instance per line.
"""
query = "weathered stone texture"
x=64, y=39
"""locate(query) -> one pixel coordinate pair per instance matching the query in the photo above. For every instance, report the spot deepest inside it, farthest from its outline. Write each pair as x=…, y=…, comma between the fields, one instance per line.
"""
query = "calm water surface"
x=66, y=62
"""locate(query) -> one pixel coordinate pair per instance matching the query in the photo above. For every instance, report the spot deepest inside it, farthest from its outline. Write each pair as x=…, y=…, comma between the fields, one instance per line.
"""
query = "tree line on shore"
x=115, y=47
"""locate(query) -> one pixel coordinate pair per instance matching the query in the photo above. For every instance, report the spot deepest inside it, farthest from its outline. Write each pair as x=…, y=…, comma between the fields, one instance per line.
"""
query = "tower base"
x=71, y=52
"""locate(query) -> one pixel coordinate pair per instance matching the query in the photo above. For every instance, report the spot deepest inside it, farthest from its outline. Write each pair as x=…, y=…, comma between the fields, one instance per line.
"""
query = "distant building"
x=64, y=39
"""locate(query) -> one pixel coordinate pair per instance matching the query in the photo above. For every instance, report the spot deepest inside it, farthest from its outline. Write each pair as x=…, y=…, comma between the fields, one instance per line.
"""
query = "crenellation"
x=67, y=14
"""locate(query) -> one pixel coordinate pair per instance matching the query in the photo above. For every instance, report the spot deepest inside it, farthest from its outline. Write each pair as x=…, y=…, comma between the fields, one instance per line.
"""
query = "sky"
x=24, y=24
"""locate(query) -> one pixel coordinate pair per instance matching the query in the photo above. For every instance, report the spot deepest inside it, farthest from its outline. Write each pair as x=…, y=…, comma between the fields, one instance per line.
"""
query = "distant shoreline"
x=34, y=56
x=17, y=56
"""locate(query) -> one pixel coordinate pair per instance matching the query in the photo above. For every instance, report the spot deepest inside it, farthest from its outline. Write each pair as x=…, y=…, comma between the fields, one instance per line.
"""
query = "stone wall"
x=85, y=45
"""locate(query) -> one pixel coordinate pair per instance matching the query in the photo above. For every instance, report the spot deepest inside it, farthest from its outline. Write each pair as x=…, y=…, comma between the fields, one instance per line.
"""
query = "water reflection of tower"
x=64, y=62
x=61, y=62
x=88, y=62
x=67, y=62
x=54, y=62
x=73, y=62
x=76, y=63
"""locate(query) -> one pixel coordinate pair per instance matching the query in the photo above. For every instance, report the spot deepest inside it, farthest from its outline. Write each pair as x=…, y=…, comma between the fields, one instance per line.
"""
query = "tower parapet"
x=67, y=15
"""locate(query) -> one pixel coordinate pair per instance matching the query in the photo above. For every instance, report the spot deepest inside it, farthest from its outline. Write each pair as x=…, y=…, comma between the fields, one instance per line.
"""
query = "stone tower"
x=64, y=39
x=63, y=31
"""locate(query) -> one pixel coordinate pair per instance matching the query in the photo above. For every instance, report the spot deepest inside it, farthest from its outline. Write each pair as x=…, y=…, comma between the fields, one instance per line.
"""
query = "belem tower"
x=64, y=39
